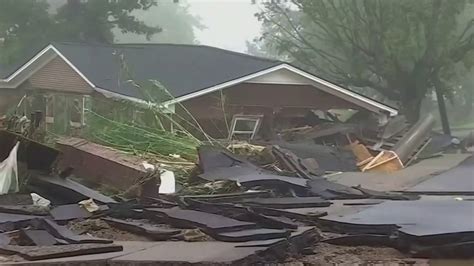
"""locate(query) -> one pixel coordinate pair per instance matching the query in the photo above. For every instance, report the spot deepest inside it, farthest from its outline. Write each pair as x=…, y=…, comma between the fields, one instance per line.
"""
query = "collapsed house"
x=229, y=94
x=268, y=205
x=230, y=211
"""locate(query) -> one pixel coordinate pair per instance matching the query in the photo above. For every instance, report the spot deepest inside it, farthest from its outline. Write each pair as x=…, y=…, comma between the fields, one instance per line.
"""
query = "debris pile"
x=380, y=148
x=230, y=210
x=48, y=227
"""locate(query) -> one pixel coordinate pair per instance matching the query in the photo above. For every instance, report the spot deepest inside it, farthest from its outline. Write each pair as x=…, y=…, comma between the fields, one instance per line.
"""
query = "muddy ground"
x=319, y=254
x=327, y=254
x=101, y=229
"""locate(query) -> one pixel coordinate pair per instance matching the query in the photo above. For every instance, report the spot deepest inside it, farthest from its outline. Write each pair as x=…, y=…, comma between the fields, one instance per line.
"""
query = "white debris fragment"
x=167, y=185
x=89, y=205
x=9, y=172
x=148, y=166
x=39, y=201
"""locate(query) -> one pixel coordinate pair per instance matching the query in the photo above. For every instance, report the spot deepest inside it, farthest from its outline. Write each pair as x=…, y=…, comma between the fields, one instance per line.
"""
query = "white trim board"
x=323, y=85
x=336, y=88
x=280, y=77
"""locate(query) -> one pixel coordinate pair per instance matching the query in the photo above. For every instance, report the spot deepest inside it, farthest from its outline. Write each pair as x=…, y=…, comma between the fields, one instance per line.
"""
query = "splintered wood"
x=385, y=161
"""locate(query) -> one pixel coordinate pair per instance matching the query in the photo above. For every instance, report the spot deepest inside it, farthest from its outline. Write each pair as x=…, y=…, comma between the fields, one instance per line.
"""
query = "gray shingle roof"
x=182, y=69
x=7, y=69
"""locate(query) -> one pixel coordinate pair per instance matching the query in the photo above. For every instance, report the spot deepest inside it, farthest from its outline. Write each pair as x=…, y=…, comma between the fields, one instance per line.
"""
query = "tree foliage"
x=176, y=23
x=22, y=24
x=29, y=24
x=94, y=20
x=401, y=48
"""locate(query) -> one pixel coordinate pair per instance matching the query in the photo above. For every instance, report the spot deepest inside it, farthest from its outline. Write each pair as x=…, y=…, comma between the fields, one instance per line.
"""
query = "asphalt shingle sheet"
x=458, y=180
x=417, y=218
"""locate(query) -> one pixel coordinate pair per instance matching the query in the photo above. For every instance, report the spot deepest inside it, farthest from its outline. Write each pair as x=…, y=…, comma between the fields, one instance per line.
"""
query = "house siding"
x=57, y=75
x=290, y=101
x=251, y=98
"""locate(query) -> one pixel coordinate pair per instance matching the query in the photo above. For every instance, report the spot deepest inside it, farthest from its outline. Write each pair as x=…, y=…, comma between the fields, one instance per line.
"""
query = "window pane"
x=245, y=125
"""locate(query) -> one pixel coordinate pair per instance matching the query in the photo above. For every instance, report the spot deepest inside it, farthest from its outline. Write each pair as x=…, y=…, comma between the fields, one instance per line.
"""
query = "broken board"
x=51, y=252
x=203, y=220
x=288, y=202
x=251, y=235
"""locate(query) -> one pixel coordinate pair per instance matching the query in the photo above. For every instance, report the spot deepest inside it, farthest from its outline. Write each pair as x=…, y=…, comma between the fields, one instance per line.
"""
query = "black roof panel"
x=182, y=69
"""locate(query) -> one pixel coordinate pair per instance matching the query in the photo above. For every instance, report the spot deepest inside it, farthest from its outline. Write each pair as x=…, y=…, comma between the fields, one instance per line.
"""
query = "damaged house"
x=228, y=93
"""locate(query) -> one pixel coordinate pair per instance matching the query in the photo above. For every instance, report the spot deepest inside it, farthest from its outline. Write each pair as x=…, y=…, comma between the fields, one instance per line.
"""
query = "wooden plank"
x=385, y=161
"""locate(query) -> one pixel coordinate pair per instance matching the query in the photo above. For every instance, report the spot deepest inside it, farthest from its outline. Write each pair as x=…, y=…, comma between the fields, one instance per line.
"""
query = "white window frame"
x=84, y=99
x=253, y=118
x=136, y=114
x=49, y=119
x=86, y=107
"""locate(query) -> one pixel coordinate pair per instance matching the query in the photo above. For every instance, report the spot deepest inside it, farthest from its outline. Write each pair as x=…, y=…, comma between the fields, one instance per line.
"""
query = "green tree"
x=30, y=24
x=401, y=48
x=22, y=23
x=94, y=20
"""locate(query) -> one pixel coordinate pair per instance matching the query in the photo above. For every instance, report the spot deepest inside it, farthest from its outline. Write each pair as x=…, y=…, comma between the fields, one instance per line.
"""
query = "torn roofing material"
x=251, y=235
x=328, y=158
x=288, y=202
x=250, y=177
x=416, y=218
x=204, y=220
x=65, y=190
x=456, y=181
x=51, y=252
x=220, y=164
x=188, y=253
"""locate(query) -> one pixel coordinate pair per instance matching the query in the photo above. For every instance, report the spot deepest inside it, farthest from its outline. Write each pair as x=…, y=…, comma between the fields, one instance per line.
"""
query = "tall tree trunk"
x=443, y=114
x=411, y=107
x=469, y=100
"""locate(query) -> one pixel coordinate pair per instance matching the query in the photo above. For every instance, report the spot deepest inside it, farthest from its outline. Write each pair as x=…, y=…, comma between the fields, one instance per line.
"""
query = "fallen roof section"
x=439, y=217
x=456, y=181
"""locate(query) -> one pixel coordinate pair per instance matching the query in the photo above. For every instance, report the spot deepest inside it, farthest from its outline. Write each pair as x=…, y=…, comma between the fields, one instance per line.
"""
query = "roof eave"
x=331, y=88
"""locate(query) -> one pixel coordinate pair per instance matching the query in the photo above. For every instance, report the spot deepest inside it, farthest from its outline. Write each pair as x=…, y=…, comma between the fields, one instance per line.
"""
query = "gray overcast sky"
x=229, y=22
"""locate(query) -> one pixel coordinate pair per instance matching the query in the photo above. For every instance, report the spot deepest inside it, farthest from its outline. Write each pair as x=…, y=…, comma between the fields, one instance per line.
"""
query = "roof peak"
x=143, y=45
